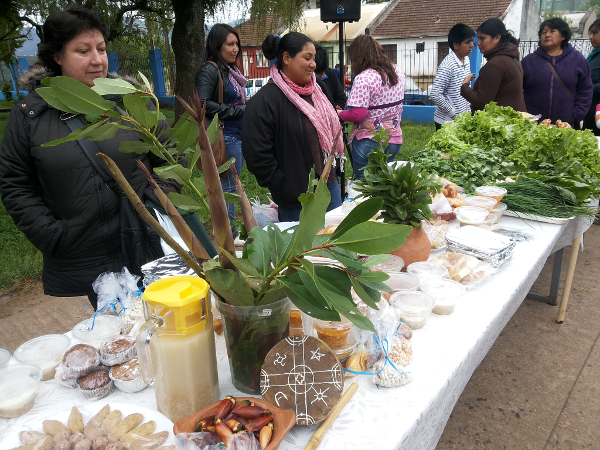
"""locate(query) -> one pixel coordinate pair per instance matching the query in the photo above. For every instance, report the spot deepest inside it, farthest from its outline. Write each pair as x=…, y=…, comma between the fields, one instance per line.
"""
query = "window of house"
x=391, y=52
x=420, y=47
x=261, y=61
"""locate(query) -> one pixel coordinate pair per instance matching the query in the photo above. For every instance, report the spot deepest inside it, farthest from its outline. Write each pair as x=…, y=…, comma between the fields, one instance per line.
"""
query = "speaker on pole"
x=340, y=10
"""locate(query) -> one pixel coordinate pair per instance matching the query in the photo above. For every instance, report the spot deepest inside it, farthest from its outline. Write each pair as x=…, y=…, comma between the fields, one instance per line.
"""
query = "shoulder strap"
x=90, y=149
x=518, y=66
x=220, y=80
x=562, y=85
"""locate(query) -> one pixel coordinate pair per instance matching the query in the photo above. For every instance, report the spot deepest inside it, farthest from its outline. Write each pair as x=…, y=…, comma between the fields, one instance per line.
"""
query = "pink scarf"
x=238, y=80
x=321, y=114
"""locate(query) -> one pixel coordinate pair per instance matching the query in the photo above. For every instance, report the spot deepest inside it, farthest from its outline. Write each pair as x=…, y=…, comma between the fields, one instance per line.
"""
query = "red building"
x=252, y=62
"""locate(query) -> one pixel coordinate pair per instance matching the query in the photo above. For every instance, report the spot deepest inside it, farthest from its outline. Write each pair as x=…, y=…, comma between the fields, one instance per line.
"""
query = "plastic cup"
x=495, y=192
x=499, y=209
x=412, y=307
x=403, y=281
x=17, y=389
x=445, y=293
x=490, y=222
x=105, y=328
x=46, y=352
x=482, y=202
x=4, y=357
x=471, y=215
x=424, y=270
x=334, y=334
x=394, y=264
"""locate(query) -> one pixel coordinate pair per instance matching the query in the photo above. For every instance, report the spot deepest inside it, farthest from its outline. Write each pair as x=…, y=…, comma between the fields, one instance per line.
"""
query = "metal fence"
x=131, y=65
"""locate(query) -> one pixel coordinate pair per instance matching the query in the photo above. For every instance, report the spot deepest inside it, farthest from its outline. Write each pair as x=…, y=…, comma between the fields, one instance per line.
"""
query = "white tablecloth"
x=446, y=352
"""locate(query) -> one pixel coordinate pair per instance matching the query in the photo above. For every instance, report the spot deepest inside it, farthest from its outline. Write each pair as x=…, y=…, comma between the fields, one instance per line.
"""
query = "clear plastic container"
x=346, y=350
x=424, y=270
x=334, y=334
x=105, y=328
x=445, y=293
x=482, y=202
x=403, y=281
x=471, y=215
x=394, y=264
x=490, y=222
x=499, y=209
x=17, y=389
x=412, y=307
x=46, y=352
x=495, y=192
x=4, y=357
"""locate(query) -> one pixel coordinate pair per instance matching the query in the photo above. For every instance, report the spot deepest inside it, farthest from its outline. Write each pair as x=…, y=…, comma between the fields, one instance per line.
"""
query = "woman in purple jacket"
x=557, y=80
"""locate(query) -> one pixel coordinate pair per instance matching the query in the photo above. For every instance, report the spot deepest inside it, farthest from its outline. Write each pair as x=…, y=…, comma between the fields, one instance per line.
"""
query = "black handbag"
x=139, y=242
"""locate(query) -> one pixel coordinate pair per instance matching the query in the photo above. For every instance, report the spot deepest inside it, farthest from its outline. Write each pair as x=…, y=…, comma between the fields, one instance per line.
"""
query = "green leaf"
x=52, y=99
x=222, y=168
x=258, y=250
x=145, y=80
x=243, y=265
x=376, y=259
x=373, y=238
x=279, y=241
x=75, y=135
x=138, y=147
x=273, y=295
x=199, y=183
x=375, y=277
x=230, y=286
x=103, y=132
x=213, y=130
x=78, y=97
x=230, y=197
x=186, y=134
x=370, y=296
x=177, y=172
x=108, y=86
x=136, y=105
x=305, y=301
x=161, y=116
x=361, y=213
x=184, y=202
x=312, y=218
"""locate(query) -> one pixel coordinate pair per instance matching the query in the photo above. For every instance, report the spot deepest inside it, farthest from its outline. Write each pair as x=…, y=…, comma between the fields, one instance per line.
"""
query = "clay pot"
x=416, y=248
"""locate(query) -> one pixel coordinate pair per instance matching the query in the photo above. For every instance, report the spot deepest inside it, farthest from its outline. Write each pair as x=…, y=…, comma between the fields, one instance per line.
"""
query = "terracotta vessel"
x=283, y=420
x=416, y=248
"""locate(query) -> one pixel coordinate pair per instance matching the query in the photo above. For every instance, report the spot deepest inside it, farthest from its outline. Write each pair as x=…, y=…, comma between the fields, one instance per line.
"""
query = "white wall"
x=413, y=63
x=512, y=21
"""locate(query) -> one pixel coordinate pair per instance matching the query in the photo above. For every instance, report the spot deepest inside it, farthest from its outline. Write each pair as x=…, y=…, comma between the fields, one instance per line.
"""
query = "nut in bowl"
x=283, y=420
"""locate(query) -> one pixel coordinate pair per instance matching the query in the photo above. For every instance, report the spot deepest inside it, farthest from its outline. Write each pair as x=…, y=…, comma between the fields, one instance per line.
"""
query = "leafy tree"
x=11, y=37
x=591, y=4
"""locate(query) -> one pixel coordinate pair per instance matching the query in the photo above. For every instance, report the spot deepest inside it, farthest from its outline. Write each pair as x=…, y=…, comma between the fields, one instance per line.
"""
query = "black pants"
x=438, y=126
x=93, y=298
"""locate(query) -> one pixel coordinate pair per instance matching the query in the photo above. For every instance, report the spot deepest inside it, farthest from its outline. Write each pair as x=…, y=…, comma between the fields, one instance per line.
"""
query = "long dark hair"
x=556, y=23
x=293, y=43
x=215, y=40
x=366, y=53
x=62, y=26
x=494, y=27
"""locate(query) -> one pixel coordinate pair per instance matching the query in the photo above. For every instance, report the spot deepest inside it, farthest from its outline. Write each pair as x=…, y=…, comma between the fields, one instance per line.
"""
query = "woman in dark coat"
x=54, y=194
x=500, y=80
x=557, y=80
x=589, y=122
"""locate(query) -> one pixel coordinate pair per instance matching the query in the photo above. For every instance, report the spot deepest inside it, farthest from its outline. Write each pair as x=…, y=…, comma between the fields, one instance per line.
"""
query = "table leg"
x=562, y=308
x=551, y=299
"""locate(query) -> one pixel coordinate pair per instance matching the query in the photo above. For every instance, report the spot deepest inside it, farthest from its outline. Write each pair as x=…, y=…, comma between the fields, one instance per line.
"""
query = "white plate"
x=88, y=411
x=555, y=220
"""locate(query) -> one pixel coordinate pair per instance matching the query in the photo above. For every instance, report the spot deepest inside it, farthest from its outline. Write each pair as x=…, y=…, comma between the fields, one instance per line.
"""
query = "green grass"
x=21, y=261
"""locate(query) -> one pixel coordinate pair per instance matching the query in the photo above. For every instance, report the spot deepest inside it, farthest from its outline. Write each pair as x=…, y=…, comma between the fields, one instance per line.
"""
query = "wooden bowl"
x=283, y=420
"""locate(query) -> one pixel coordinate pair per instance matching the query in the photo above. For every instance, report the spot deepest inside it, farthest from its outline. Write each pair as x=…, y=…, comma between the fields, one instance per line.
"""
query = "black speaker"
x=340, y=10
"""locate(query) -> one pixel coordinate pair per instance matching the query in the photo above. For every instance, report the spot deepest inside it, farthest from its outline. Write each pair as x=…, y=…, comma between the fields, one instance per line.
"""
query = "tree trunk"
x=188, y=46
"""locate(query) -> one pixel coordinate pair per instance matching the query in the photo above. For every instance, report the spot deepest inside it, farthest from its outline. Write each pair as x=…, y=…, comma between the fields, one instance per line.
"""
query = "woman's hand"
x=469, y=78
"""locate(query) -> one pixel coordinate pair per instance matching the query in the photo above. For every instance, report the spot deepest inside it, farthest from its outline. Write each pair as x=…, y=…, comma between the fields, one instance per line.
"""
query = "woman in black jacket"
x=589, y=122
x=290, y=126
x=54, y=194
x=222, y=49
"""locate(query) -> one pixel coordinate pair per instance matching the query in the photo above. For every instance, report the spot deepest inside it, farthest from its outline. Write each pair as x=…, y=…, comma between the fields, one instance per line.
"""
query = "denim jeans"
x=233, y=146
x=292, y=214
x=360, y=154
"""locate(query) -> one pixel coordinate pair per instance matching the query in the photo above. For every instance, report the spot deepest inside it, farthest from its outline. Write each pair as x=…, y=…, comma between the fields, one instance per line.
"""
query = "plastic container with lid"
x=495, y=192
x=490, y=222
x=46, y=352
x=403, y=281
x=17, y=389
x=471, y=215
x=499, y=209
x=334, y=334
x=394, y=264
x=96, y=332
x=424, y=270
x=445, y=293
x=4, y=357
x=412, y=307
x=482, y=202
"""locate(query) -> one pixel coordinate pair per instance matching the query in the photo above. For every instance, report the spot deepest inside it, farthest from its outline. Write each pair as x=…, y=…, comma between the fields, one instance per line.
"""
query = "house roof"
x=254, y=31
x=311, y=25
x=435, y=17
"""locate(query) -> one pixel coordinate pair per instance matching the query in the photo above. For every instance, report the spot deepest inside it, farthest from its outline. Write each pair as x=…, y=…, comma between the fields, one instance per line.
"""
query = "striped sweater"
x=445, y=91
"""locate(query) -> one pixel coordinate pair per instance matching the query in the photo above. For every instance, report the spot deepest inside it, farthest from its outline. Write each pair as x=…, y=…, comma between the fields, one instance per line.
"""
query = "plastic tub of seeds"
x=394, y=264
x=334, y=334
x=17, y=389
x=424, y=270
x=471, y=215
x=495, y=192
x=412, y=307
x=482, y=202
x=499, y=209
x=490, y=222
x=4, y=357
x=46, y=352
x=445, y=293
x=96, y=331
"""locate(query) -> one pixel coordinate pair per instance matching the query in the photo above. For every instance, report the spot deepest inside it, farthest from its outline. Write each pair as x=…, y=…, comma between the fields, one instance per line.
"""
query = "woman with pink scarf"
x=289, y=126
x=222, y=49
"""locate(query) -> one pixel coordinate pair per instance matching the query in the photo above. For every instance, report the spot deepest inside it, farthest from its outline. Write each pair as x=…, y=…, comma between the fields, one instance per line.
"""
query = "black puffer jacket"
x=57, y=199
x=207, y=83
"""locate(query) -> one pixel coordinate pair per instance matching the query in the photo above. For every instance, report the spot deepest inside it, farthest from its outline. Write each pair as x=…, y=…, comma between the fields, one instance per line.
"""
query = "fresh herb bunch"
x=406, y=190
x=530, y=196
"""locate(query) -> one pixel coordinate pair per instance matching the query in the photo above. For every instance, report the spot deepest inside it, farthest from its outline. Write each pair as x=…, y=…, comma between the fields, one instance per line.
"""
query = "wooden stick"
x=315, y=441
x=562, y=307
